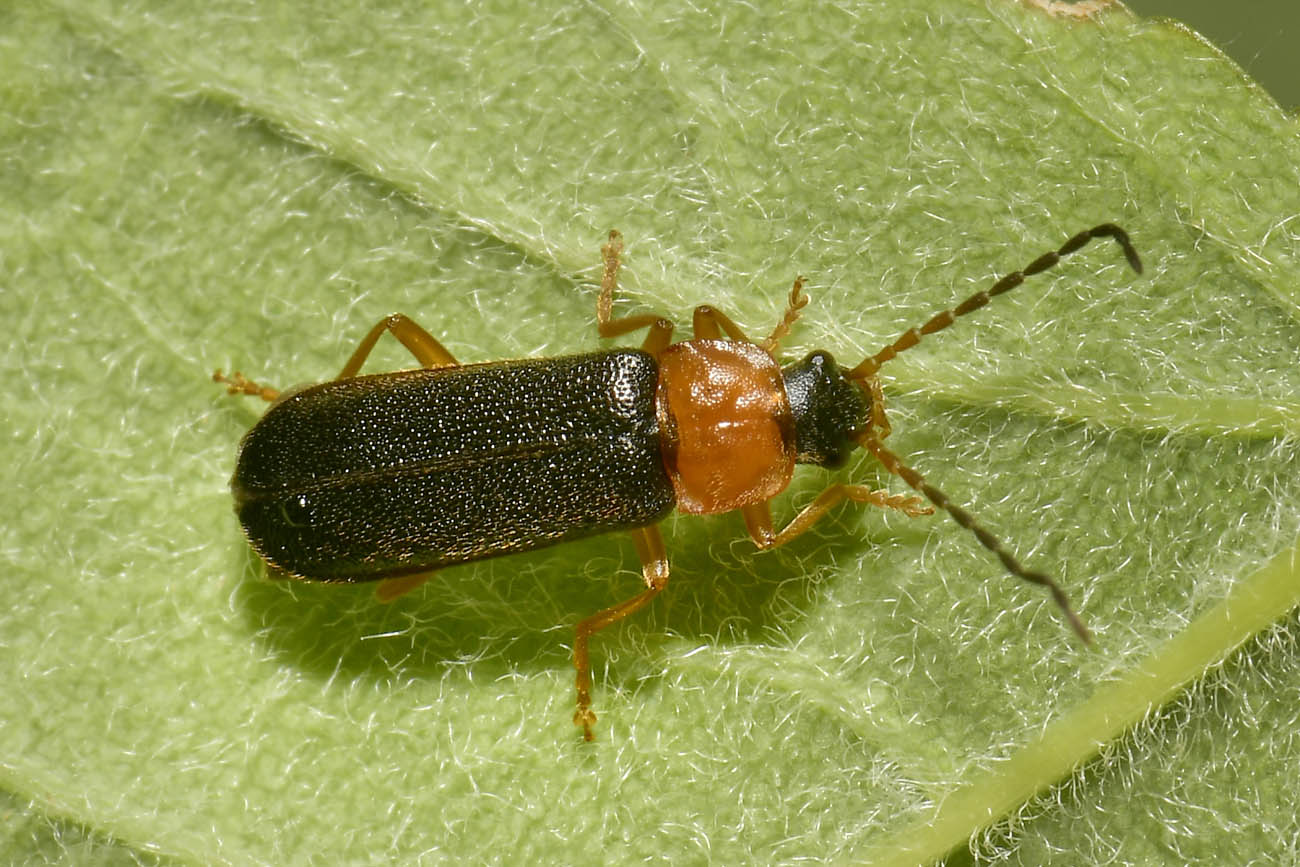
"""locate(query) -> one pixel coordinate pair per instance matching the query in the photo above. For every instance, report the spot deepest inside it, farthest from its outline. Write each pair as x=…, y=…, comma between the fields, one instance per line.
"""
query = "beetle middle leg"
x=654, y=566
x=758, y=517
x=661, y=329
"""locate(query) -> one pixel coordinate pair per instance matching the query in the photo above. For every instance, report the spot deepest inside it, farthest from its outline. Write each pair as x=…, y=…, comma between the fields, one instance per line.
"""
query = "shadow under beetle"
x=394, y=475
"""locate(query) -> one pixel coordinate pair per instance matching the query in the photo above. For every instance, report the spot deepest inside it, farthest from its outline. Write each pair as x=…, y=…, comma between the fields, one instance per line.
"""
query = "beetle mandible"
x=389, y=477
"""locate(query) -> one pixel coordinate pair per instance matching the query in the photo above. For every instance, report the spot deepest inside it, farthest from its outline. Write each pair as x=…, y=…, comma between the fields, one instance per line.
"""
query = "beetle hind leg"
x=391, y=588
x=426, y=349
x=236, y=383
x=654, y=566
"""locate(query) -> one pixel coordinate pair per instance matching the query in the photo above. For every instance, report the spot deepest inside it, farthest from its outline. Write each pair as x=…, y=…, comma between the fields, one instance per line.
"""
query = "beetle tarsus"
x=236, y=383
x=585, y=717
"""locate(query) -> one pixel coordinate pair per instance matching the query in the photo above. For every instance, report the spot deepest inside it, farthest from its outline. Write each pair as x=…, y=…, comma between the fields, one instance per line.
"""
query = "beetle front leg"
x=795, y=302
x=654, y=566
x=758, y=517
x=710, y=323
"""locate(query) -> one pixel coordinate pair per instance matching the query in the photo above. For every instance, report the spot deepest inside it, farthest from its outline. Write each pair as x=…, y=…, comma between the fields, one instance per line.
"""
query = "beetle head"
x=828, y=407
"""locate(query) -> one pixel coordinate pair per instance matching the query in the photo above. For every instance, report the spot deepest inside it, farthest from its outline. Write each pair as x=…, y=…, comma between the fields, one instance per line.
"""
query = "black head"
x=827, y=406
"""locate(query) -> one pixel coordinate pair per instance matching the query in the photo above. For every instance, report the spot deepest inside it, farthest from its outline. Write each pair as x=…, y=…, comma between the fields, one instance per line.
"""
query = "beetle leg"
x=654, y=566
x=237, y=384
x=709, y=324
x=758, y=518
x=661, y=329
x=879, y=420
x=390, y=588
x=428, y=351
x=795, y=303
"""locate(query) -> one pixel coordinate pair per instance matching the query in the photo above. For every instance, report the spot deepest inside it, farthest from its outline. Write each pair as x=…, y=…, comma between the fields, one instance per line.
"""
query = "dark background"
x=1258, y=34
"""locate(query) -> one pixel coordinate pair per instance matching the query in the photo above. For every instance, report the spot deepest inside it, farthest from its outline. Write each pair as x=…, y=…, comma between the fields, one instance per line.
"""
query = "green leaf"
x=190, y=187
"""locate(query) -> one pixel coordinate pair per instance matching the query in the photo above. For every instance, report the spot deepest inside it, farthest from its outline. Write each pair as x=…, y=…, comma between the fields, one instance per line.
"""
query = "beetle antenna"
x=891, y=462
x=942, y=320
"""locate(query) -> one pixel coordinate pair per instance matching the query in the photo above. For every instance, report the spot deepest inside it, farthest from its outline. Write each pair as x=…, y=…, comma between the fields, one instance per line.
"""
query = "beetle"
x=389, y=477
